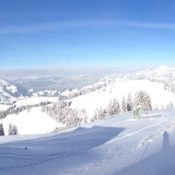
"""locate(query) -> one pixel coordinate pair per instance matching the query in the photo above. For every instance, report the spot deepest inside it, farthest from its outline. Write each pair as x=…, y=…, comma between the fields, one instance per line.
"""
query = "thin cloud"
x=54, y=26
x=57, y=25
x=150, y=25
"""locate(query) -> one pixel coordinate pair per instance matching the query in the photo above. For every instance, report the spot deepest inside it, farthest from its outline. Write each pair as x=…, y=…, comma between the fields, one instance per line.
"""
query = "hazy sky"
x=80, y=33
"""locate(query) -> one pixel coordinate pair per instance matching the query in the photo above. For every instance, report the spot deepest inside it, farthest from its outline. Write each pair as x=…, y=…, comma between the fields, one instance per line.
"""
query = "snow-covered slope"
x=28, y=117
x=120, y=88
x=160, y=73
x=34, y=101
x=31, y=121
x=45, y=93
x=116, y=146
x=4, y=107
x=8, y=92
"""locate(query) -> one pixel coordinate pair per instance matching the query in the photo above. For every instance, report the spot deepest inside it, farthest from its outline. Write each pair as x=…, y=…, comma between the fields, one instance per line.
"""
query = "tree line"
x=12, y=130
x=141, y=100
x=17, y=110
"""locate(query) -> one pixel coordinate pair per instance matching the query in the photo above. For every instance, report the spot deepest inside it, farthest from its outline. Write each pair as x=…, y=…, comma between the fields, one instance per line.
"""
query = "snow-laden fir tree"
x=123, y=105
x=114, y=107
x=129, y=103
x=99, y=114
x=62, y=112
x=143, y=101
x=1, y=130
x=170, y=105
x=13, y=130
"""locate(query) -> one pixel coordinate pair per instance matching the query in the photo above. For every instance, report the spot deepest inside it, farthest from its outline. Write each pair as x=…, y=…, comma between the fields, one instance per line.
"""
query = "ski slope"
x=120, y=88
x=116, y=146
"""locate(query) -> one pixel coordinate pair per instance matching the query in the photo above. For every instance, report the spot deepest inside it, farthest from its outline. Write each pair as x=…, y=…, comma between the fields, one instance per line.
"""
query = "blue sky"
x=80, y=33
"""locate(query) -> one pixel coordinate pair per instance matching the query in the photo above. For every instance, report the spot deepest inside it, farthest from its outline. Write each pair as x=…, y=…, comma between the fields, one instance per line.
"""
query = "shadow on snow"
x=72, y=147
x=162, y=163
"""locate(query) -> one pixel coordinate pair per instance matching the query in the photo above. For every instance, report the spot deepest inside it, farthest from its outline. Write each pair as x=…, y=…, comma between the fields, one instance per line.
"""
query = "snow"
x=45, y=93
x=160, y=97
x=4, y=107
x=7, y=91
x=151, y=114
x=30, y=122
x=12, y=88
x=5, y=85
x=115, y=146
x=119, y=145
x=34, y=100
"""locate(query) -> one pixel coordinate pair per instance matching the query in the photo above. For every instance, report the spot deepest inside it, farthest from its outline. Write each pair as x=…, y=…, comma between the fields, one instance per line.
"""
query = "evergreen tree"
x=170, y=105
x=118, y=110
x=123, y=105
x=99, y=114
x=114, y=107
x=129, y=103
x=1, y=130
x=142, y=101
x=12, y=130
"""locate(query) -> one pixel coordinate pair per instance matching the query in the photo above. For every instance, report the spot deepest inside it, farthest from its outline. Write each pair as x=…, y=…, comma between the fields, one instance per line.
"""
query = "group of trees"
x=13, y=130
x=141, y=101
x=63, y=113
x=168, y=84
x=17, y=110
x=84, y=90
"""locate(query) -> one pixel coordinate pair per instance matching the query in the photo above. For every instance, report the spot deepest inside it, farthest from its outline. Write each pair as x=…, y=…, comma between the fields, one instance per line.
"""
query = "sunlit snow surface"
x=116, y=146
x=32, y=121
x=120, y=88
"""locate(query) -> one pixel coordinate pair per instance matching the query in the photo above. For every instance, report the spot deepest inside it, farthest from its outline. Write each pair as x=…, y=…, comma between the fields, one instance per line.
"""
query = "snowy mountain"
x=8, y=92
x=160, y=73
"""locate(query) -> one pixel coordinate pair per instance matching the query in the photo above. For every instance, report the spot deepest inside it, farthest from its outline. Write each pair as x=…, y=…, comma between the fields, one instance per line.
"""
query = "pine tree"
x=1, y=130
x=170, y=105
x=12, y=130
x=99, y=114
x=118, y=110
x=123, y=105
x=114, y=107
x=129, y=103
x=111, y=108
x=142, y=101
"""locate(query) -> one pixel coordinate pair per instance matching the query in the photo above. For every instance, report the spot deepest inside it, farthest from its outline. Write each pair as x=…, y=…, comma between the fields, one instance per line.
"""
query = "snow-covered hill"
x=28, y=101
x=160, y=73
x=31, y=121
x=120, y=88
x=120, y=146
x=27, y=116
